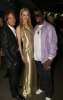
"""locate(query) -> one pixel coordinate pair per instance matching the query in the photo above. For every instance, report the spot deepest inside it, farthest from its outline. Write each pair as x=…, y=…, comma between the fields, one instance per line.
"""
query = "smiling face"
x=11, y=20
x=25, y=16
x=39, y=17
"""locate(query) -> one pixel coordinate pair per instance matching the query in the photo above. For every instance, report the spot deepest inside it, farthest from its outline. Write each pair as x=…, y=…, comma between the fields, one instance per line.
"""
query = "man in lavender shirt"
x=45, y=49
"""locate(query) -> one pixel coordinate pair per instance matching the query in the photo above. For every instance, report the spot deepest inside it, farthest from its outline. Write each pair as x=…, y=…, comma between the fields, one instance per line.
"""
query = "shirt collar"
x=12, y=28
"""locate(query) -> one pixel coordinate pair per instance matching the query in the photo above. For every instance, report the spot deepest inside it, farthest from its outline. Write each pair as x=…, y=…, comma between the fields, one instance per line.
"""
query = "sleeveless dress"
x=30, y=73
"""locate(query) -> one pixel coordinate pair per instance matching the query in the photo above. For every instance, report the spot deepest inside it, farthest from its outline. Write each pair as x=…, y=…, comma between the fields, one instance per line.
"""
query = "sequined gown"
x=30, y=73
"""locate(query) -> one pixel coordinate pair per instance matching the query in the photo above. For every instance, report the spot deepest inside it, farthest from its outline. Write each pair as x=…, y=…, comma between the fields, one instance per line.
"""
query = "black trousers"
x=13, y=78
x=62, y=62
x=45, y=79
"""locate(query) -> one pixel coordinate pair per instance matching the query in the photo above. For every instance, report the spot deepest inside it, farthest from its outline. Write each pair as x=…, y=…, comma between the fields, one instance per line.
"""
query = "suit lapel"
x=11, y=33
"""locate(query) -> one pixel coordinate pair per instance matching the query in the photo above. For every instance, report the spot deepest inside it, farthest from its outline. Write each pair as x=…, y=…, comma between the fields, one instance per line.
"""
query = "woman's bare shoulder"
x=18, y=28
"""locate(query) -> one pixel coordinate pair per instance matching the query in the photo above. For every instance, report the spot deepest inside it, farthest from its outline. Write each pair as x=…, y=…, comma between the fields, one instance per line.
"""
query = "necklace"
x=38, y=32
x=38, y=29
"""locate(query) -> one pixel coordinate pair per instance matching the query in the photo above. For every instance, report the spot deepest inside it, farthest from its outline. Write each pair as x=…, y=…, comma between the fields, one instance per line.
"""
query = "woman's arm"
x=19, y=43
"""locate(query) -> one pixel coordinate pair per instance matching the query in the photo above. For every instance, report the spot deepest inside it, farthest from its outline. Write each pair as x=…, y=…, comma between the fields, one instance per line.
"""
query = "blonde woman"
x=25, y=35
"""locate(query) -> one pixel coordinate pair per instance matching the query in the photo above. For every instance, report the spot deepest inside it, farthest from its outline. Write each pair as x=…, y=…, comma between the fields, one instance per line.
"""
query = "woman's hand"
x=23, y=59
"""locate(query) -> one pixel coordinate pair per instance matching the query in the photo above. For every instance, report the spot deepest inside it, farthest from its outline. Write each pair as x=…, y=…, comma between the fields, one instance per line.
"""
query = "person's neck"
x=41, y=23
x=25, y=23
x=11, y=26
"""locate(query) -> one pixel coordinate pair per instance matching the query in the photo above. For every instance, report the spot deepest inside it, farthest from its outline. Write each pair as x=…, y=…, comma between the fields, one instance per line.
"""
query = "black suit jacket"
x=9, y=45
x=1, y=28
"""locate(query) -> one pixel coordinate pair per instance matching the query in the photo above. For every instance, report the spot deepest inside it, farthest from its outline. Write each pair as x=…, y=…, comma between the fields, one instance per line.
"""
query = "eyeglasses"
x=38, y=15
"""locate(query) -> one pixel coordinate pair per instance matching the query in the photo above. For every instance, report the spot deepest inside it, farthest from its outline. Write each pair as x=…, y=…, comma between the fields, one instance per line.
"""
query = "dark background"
x=47, y=5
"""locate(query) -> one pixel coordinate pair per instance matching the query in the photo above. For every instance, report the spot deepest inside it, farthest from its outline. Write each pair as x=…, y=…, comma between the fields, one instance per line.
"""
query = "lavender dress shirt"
x=48, y=41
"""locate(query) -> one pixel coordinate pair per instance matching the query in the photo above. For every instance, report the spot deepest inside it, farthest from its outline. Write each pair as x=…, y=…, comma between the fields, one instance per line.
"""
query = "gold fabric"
x=30, y=73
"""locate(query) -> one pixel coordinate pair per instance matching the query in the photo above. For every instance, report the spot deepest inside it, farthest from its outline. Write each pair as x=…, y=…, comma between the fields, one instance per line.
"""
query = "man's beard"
x=38, y=22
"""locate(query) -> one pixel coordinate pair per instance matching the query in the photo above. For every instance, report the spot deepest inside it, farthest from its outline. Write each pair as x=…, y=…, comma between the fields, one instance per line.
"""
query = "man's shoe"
x=19, y=97
x=19, y=87
x=39, y=91
x=47, y=98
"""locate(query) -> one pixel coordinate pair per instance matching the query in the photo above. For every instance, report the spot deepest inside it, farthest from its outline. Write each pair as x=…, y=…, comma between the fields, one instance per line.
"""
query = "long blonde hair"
x=20, y=20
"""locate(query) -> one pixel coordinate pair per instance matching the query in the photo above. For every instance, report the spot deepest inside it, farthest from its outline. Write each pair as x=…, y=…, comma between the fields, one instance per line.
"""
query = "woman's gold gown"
x=30, y=74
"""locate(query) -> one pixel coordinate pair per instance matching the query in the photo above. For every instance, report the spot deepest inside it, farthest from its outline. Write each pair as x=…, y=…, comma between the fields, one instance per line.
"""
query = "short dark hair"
x=52, y=15
x=7, y=13
x=39, y=10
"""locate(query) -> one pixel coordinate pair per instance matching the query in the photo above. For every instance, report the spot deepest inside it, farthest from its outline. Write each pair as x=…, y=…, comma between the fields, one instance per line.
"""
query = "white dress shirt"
x=37, y=44
x=13, y=30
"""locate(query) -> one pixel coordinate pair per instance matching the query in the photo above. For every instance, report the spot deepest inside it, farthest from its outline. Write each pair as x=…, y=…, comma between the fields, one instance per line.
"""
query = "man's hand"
x=47, y=64
x=15, y=64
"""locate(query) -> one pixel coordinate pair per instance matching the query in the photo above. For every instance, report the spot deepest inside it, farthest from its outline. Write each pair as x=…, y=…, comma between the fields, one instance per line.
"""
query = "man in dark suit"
x=10, y=48
x=1, y=27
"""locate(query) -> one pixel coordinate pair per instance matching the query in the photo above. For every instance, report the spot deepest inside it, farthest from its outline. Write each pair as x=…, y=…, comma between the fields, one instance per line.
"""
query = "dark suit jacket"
x=9, y=45
x=1, y=28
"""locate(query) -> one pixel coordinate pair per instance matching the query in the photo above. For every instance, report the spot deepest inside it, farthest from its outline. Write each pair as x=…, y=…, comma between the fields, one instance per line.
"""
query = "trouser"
x=62, y=62
x=45, y=79
x=13, y=77
x=0, y=59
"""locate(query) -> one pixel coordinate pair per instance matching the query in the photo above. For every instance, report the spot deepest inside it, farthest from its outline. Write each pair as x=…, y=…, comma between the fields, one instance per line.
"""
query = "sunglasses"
x=38, y=15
